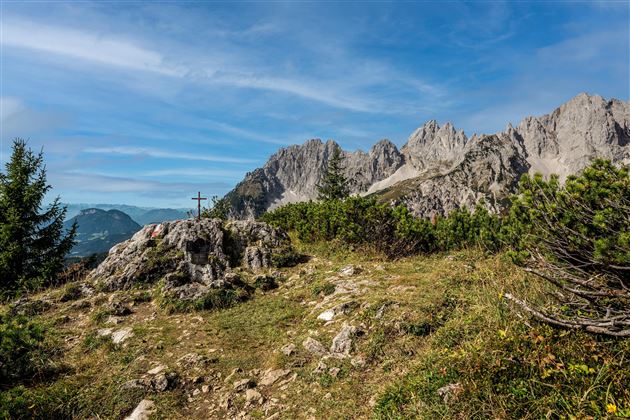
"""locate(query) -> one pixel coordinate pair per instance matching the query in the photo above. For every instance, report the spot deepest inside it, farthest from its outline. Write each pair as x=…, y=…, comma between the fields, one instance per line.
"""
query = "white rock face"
x=440, y=168
x=190, y=256
x=293, y=173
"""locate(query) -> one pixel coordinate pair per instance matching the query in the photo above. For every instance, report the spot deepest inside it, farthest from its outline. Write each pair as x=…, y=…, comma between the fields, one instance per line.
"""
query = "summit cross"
x=199, y=198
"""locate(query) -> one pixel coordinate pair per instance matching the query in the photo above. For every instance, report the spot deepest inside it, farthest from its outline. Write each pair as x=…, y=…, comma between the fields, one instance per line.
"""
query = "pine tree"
x=33, y=243
x=334, y=186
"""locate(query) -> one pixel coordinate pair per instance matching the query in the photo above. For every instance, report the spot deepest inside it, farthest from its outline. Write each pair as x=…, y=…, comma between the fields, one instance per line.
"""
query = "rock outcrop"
x=440, y=168
x=191, y=257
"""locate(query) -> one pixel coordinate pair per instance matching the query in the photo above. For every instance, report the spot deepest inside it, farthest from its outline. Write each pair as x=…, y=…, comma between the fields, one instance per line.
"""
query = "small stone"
x=288, y=349
x=252, y=395
x=104, y=332
x=121, y=335
x=143, y=411
x=134, y=384
x=342, y=343
x=321, y=368
x=334, y=371
x=272, y=376
x=326, y=315
x=156, y=370
x=349, y=270
x=205, y=389
x=196, y=392
x=314, y=346
x=243, y=384
x=358, y=362
x=163, y=381
x=450, y=392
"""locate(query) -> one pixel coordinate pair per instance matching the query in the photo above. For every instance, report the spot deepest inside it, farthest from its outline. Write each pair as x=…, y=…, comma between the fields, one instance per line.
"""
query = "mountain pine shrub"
x=393, y=231
x=576, y=236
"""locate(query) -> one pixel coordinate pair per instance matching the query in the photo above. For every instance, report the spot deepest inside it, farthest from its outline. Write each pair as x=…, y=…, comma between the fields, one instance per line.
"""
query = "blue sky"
x=146, y=103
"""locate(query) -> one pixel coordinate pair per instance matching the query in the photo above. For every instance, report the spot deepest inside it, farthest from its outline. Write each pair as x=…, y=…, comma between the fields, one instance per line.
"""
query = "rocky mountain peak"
x=432, y=146
x=422, y=173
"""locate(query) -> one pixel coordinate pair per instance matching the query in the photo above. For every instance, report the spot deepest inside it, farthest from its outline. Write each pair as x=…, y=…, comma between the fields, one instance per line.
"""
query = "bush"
x=577, y=237
x=24, y=354
x=393, y=231
x=57, y=401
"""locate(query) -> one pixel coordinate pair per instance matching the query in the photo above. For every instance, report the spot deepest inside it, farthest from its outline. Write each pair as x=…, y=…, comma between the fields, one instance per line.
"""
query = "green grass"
x=426, y=322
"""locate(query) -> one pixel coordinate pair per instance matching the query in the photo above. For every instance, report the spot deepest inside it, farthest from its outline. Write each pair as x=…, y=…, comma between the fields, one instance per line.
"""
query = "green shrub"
x=24, y=353
x=393, y=231
x=324, y=287
x=576, y=236
x=57, y=401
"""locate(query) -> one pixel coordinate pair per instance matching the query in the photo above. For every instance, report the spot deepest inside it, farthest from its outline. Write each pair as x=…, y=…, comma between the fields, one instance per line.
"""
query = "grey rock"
x=191, y=256
x=134, y=384
x=117, y=308
x=193, y=360
x=320, y=368
x=243, y=384
x=342, y=343
x=143, y=411
x=349, y=270
x=121, y=335
x=251, y=395
x=293, y=173
x=163, y=381
x=270, y=376
x=288, y=349
x=342, y=308
x=313, y=346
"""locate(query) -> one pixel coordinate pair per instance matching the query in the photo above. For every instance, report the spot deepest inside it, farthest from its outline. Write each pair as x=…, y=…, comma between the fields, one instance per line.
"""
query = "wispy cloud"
x=194, y=172
x=242, y=132
x=84, y=45
x=86, y=181
x=163, y=154
x=126, y=52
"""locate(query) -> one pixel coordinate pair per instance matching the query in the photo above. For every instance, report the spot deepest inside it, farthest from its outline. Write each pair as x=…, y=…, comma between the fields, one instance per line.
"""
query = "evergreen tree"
x=219, y=209
x=334, y=186
x=33, y=243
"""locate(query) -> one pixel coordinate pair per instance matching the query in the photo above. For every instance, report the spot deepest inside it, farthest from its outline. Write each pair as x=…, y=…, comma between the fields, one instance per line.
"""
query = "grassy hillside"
x=422, y=323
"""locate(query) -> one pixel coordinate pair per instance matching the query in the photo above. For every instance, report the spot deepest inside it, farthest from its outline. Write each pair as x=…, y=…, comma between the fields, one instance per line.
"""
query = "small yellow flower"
x=611, y=408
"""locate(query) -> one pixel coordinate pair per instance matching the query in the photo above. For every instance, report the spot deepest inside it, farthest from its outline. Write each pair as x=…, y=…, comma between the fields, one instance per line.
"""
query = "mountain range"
x=141, y=215
x=440, y=168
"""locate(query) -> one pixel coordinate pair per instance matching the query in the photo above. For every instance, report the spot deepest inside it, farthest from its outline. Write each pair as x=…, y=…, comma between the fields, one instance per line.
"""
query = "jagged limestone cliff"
x=440, y=168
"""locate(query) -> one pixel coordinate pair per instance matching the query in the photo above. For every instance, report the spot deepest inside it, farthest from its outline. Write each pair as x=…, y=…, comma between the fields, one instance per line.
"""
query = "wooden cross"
x=199, y=198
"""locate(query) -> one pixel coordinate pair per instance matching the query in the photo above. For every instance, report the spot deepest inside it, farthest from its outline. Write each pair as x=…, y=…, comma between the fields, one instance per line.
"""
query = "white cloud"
x=159, y=153
x=193, y=172
x=9, y=106
x=85, y=45
x=95, y=182
x=229, y=68
x=241, y=132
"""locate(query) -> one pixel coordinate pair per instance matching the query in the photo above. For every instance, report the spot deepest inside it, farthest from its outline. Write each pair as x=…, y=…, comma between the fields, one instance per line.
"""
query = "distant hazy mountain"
x=141, y=215
x=98, y=230
x=440, y=168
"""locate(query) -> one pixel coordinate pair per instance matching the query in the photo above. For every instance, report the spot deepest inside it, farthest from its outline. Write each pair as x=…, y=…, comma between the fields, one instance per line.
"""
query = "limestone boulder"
x=190, y=257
